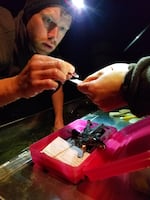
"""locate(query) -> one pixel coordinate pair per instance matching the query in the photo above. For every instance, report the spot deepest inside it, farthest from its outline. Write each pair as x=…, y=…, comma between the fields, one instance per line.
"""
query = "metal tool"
x=75, y=81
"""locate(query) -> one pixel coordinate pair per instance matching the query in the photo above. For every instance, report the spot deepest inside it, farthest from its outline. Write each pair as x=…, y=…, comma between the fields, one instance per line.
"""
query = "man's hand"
x=42, y=73
x=103, y=87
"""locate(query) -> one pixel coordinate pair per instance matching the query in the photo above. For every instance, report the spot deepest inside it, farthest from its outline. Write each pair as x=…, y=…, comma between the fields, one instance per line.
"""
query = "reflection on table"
x=26, y=181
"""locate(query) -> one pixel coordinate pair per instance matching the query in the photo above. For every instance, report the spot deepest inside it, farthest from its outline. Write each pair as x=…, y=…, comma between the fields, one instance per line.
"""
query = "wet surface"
x=26, y=181
x=18, y=135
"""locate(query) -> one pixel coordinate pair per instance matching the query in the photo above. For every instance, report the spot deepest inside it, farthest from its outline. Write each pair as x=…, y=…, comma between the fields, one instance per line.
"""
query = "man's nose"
x=53, y=32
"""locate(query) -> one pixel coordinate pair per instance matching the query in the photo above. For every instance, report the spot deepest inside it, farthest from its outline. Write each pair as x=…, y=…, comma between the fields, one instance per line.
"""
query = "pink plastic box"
x=126, y=150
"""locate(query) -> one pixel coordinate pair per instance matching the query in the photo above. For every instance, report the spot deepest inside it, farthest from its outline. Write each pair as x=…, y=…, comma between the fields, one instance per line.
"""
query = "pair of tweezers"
x=75, y=79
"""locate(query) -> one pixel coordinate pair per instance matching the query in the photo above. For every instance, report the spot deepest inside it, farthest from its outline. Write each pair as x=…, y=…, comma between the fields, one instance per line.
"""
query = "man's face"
x=47, y=28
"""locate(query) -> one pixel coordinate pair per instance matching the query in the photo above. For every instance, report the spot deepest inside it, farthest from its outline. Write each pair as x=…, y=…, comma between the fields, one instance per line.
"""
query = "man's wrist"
x=15, y=89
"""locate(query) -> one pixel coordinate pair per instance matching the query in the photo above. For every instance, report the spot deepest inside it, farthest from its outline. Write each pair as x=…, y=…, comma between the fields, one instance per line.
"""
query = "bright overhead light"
x=78, y=3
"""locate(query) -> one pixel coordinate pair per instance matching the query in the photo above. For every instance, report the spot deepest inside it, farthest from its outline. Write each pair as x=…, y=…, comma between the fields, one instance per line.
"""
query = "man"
x=119, y=85
x=26, y=44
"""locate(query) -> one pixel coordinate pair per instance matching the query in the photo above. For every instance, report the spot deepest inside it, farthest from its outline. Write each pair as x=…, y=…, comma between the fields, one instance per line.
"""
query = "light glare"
x=78, y=3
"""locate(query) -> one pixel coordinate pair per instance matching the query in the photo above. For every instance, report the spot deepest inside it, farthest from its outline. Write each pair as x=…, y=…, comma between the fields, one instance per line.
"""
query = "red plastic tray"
x=126, y=150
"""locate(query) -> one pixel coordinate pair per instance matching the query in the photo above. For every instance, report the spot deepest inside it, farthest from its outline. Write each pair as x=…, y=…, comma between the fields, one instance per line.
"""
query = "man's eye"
x=63, y=29
x=48, y=20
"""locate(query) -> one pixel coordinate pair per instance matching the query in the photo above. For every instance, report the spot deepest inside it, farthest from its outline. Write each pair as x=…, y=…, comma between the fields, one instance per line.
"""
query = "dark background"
x=98, y=37
x=100, y=34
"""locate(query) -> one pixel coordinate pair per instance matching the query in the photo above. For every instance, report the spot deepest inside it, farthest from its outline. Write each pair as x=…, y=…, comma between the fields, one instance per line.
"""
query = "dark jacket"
x=136, y=87
x=14, y=54
x=7, y=38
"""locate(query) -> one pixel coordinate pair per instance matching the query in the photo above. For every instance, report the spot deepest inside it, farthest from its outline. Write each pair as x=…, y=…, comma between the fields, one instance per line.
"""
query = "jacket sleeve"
x=7, y=37
x=136, y=87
